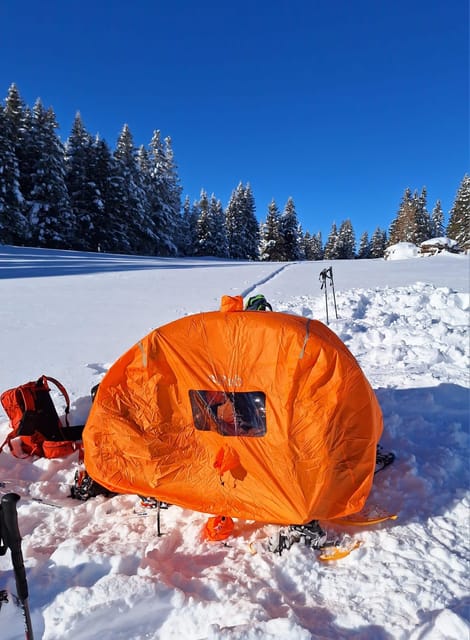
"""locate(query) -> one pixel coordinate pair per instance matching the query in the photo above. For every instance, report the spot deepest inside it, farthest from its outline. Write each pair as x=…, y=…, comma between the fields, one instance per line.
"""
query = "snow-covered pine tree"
x=459, y=218
x=195, y=213
x=300, y=242
x=13, y=226
x=364, y=246
x=437, y=221
x=50, y=215
x=346, y=241
x=412, y=223
x=314, y=248
x=165, y=195
x=211, y=236
x=241, y=225
x=423, y=219
x=110, y=232
x=187, y=236
x=330, y=252
x=19, y=118
x=84, y=195
x=220, y=232
x=304, y=241
x=378, y=243
x=147, y=181
x=14, y=110
x=289, y=231
x=270, y=237
x=205, y=245
x=251, y=224
x=133, y=207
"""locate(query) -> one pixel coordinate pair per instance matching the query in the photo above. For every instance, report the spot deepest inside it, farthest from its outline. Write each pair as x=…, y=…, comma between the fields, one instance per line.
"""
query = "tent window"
x=229, y=413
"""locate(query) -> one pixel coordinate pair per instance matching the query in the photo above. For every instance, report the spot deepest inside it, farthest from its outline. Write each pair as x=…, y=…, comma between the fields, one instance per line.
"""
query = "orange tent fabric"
x=258, y=415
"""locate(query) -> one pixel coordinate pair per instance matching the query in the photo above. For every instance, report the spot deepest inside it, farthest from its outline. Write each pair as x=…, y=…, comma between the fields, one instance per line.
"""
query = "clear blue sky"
x=341, y=104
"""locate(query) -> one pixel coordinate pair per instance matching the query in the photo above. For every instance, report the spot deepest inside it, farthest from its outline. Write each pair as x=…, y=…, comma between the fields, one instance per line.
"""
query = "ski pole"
x=3, y=597
x=333, y=287
x=159, y=533
x=323, y=276
x=12, y=539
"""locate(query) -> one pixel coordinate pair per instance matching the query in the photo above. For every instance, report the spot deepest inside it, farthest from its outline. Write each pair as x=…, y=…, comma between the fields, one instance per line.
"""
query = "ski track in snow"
x=246, y=292
x=93, y=565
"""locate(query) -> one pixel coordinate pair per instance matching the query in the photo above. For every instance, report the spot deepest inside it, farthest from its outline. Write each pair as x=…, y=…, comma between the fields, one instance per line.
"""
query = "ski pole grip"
x=13, y=541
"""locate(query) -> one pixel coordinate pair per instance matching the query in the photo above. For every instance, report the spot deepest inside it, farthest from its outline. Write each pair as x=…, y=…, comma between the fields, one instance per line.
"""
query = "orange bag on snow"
x=263, y=416
x=218, y=528
x=35, y=423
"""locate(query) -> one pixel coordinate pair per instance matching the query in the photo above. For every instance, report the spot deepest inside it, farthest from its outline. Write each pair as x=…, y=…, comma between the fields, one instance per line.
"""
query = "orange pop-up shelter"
x=257, y=415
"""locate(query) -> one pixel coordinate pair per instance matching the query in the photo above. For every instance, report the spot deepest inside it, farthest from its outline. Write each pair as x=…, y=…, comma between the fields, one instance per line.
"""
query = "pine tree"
x=13, y=227
x=331, y=252
x=133, y=211
x=459, y=220
x=412, y=223
x=204, y=231
x=110, y=232
x=19, y=120
x=14, y=110
x=423, y=219
x=364, y=246
x=173, y=184
x=378, y=243
x=251, y=225
x=289, y=231
x=314, y=248
x=437, y=221
x=211, y=236
x=85, y=198
x=50, y=215
x=190, y=215
x=301, y=242
x=346, y=242
x=395, y=232
x=220, y=232
x=165, y=196
x=241, y=225
x=271, y=248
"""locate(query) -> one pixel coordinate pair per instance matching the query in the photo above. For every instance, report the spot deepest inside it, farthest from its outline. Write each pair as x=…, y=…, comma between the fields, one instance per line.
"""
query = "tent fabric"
x=257, y=415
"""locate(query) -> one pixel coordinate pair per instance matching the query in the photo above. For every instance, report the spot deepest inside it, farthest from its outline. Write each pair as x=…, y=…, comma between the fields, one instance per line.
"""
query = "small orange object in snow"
x=218, y=528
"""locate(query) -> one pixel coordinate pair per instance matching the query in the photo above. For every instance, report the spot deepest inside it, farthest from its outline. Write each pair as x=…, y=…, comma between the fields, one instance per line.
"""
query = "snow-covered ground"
x=97, y=571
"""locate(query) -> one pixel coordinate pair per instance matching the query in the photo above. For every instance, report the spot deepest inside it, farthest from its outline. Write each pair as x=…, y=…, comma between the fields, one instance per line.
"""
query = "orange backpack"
x=34, y=420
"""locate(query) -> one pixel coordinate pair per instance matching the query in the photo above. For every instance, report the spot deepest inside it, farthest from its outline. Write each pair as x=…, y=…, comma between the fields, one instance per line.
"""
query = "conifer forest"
x=82, y=195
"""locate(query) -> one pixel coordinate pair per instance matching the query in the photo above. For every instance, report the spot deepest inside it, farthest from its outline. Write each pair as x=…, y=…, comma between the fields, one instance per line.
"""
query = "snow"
x=97, y=571
x=440, y=242
x=401, y=251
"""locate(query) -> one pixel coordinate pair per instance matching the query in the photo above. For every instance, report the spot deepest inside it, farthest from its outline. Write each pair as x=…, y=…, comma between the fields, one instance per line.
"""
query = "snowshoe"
x=84, y=487
x=311, y=534
x=147, y=502
x=383, y=459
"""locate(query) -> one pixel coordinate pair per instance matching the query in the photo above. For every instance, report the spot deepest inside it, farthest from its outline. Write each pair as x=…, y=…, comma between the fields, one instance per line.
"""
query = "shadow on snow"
x=28, y=262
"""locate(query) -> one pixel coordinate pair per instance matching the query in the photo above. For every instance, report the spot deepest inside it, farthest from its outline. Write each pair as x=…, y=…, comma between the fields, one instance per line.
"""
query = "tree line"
x=83, y=195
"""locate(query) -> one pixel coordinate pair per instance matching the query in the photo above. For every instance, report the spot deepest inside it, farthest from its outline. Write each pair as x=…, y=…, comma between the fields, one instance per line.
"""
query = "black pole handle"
x=13, y=541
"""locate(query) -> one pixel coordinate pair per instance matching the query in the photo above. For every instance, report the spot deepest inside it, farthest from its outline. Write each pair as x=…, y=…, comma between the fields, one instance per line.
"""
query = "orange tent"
x=257, y=415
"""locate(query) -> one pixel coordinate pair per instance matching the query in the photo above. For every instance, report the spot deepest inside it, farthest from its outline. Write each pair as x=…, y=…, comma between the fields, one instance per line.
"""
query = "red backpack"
x=34, y=420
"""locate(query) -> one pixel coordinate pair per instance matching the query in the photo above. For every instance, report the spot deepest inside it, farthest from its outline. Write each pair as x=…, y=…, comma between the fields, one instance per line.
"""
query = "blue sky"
x=340, y=104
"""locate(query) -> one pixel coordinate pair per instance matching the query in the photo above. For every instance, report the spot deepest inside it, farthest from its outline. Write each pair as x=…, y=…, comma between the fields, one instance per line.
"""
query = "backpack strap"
x=63, y=391
x=28, y=398
x=70, y=433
